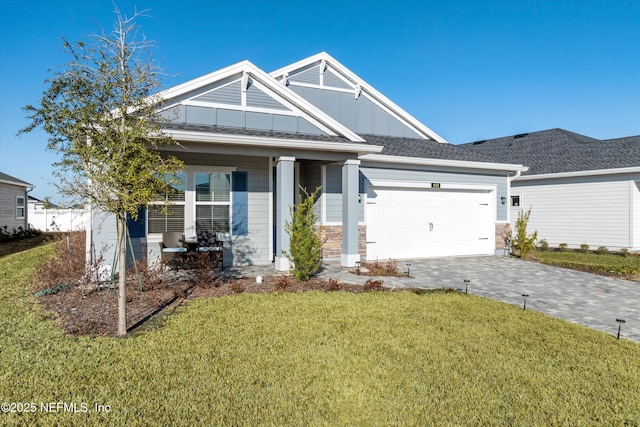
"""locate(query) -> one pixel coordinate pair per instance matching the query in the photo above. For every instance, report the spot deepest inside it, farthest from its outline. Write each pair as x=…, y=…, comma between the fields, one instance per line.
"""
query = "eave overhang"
x=577, y=174
x=261, y=141
x=445, y=163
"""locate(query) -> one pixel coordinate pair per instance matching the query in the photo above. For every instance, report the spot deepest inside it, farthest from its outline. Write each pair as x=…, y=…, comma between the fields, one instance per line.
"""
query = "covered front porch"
x=244, y=196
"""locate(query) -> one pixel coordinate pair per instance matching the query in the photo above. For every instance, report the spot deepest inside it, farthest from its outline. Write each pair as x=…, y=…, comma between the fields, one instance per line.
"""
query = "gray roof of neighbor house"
x=426, y=149
x=558, y=150
x=8, y=179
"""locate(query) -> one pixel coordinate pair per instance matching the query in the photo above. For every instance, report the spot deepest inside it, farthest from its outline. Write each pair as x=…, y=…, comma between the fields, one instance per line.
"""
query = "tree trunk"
x=122, y=279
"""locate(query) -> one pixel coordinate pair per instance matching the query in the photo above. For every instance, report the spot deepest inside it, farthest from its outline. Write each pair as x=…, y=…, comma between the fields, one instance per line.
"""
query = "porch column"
x=284, y=200
x=350, y=175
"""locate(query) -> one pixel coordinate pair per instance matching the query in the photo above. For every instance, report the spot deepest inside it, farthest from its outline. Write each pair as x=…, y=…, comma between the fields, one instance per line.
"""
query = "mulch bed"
x=93, y=310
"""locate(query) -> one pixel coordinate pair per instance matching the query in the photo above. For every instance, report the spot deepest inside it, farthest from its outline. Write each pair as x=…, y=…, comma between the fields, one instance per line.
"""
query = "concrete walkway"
x=582, y=298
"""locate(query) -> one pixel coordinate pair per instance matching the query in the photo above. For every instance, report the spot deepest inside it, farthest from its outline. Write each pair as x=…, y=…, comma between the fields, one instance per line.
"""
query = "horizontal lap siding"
x=8, y=194
x=254, y=247
x=595, y=211
x=333, y=195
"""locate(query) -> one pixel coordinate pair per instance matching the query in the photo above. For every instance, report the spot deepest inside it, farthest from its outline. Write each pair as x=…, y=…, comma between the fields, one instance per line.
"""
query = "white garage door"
x=419, y=223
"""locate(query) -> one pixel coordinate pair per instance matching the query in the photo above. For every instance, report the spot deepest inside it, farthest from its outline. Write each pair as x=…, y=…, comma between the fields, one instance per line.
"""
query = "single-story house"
x=579, y=189
x=13, y=202
x=390, y=186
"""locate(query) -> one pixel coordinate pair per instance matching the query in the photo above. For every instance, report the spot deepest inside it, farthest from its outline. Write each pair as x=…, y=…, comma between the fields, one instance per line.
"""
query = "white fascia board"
x=367, y=88
x=379, y=158
x=598, y=172
x=308, y=110
x=259, y=141
x=205, y=80
x=17, y=184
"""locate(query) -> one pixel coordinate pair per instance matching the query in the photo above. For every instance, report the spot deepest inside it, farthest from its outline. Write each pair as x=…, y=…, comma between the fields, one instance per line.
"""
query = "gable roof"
x=249, y=73
x=358, y=85
x=560, y=151
x=8, y=179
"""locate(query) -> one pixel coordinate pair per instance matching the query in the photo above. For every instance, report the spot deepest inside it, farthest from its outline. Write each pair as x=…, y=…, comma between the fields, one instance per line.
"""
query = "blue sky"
x=469, y=70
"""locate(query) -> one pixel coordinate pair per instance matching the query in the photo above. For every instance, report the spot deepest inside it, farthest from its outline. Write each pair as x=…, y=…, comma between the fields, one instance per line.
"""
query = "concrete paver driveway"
x=582, y=298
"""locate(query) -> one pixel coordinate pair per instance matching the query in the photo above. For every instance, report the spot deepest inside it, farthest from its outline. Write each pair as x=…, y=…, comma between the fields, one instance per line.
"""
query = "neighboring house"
x=580, y=189
x=13, y=202
x=391, y=187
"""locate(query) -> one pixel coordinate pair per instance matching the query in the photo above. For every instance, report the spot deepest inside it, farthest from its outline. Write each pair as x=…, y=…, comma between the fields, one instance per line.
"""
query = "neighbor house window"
x=213, y=201
x=515, y=201
x=20, y=207
x=167, y=213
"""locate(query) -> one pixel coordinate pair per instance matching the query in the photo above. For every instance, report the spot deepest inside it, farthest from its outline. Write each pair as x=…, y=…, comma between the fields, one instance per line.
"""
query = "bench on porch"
x=176, y=250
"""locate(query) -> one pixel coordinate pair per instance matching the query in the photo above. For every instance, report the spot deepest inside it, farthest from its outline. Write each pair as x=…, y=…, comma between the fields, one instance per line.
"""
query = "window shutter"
x=240, y=207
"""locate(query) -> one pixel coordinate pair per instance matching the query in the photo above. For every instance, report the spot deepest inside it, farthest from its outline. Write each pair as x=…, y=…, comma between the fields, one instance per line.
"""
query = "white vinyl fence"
x=58, y=219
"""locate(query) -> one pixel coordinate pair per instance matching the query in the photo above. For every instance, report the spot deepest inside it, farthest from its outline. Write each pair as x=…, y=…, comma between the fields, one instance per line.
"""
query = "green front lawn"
x=599, y=263
x=379, y=358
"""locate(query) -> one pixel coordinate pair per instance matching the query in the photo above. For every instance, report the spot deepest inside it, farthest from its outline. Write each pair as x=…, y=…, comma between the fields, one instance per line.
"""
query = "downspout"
x=26, y=206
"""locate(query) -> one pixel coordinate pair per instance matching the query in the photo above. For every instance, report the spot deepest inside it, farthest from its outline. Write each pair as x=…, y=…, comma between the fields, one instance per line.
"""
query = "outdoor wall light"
x=503, y=200
x=620, y=322
x=525, y=296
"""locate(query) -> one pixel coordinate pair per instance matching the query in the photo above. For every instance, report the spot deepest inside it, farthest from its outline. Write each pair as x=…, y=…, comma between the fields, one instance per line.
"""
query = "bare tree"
x=102, y=117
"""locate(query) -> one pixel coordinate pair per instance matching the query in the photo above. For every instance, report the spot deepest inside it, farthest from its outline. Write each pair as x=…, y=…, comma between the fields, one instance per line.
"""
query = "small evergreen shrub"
x=17, y=233
x=584, y=248
x=624, y=252
x=523, y=242
x=602, y=250
x=543, y=245
x=305, y=247
x=562, y=247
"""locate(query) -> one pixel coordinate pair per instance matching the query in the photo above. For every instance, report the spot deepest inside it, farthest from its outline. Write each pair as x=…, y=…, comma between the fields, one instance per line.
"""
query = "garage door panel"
x=416, y=223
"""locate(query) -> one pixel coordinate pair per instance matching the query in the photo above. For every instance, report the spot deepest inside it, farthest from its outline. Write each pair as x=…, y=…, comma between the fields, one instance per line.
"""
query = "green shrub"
x=584, y=248
x=624, y=252
x=305, y=247
x=543, y=245
x=563, y=247
x=602, y=250
x=17, y=234
x=523, y=242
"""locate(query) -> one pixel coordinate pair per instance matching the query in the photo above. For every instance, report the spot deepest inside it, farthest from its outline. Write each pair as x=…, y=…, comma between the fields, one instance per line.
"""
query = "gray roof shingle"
x=558, y=150
x=253, y=132
x=16, y=181
x=426, y=149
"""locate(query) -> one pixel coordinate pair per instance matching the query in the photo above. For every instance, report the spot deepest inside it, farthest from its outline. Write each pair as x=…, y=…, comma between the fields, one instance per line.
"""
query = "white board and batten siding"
x=598, y=211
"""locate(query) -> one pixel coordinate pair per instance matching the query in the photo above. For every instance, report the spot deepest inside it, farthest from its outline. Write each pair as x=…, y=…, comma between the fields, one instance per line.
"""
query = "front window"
x=167, y=213
x=213, y=197
x=20, y=207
